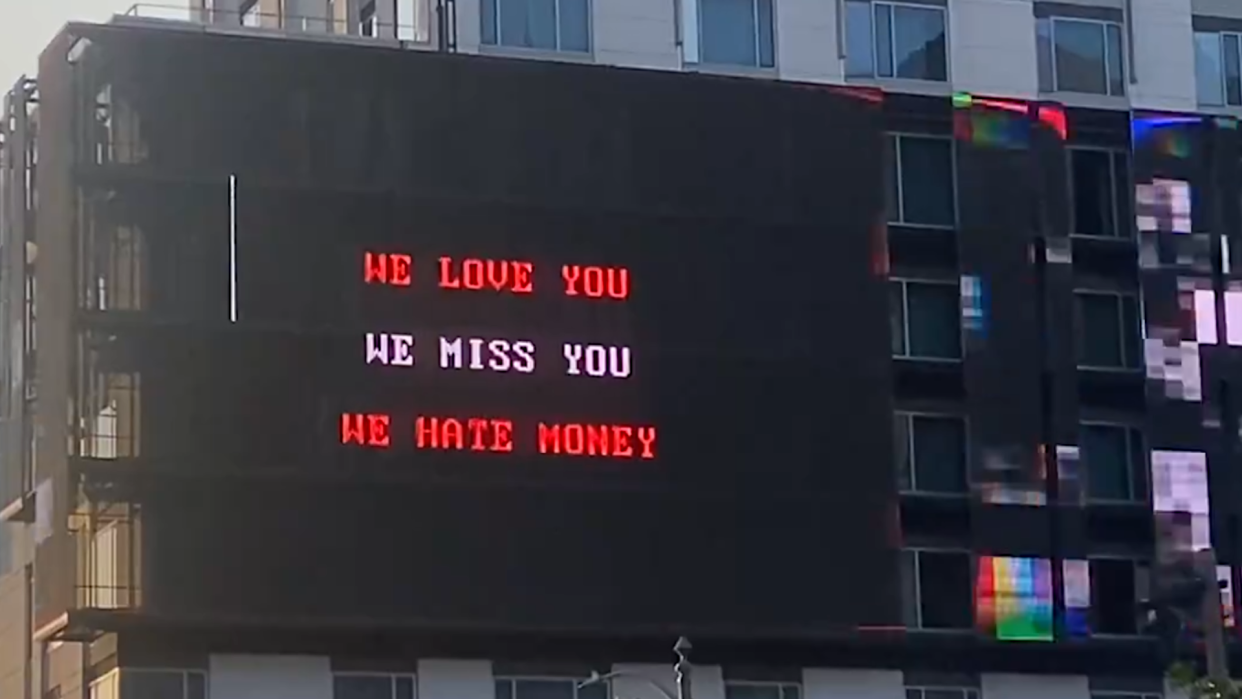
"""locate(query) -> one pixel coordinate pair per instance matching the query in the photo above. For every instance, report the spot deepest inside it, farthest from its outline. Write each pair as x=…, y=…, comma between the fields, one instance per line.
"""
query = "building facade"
x=1059, y=257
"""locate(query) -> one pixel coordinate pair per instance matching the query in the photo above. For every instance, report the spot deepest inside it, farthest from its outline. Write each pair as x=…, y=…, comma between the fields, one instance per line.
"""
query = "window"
x=105, y=562
x=1100, y=192
x=926, y=319
x=132, y=683
x=921, y=177
x=1108, y=330
x=1080, y=55
x=1116, y=462
x=1126, y=695
x=368, y=20
x=249, y=13
x=736, y=689
x=549, y=688
x=931, y=453
x=373, y=686
x=1218, y=69
x=549, y=25
x=895, y=40
x=738, y=32
x=937, y=590
x=412, y=20
x=1117, y=585
x=941, y=693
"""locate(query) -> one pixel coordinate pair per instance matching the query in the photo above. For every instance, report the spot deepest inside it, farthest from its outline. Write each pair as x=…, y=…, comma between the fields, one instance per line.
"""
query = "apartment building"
x=1043, y=195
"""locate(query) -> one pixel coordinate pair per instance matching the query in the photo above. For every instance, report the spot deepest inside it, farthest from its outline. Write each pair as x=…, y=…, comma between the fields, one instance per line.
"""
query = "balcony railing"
x=108, y=558
x=416, y=33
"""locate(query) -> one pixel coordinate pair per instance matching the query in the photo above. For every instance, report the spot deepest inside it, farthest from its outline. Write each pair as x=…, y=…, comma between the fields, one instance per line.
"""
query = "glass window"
x=1043, y=54
x=1115, y=459
x=162, y=684
x=549, y=25
x=1108, y=331
x=249, y=13
x=1233, y=71
x=1209, y=75
x=859, y=31
x=889, y=40
x=941, y=588
x=549, y=688
x=1079, y=55
x=919, y=43
x=897, y=317
x=1100, y=192
x=377, y=686
x=931, y=453
x=921, y=181
x=931, y=318
x=762, y=690
x=738, y=32
x=1117, y=585
x=368, y=20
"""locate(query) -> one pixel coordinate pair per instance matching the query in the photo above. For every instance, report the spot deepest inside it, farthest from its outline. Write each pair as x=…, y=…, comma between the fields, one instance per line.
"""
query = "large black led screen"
x=490, y=402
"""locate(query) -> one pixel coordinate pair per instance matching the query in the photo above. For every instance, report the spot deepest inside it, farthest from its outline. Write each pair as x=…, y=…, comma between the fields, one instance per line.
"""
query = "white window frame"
x=392, y=678
x=1136, y=365
x=917, y=552
x=1119, y=189
x=1103, y=26
x=892, y=42
x=1132, y=432
x=908, y=416
x=896, y=138
x=905, y=282
x=500, y=45
x=1135, y=565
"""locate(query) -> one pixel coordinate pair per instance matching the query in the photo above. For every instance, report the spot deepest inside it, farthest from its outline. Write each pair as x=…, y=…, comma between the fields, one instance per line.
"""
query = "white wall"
x=455, y=679
x=635, y=33
x=1003, y=686
x=302, y=677
x=269, y=677
x=806, y=41
x=992, y=47
x=1164, y=58
x=821, y=683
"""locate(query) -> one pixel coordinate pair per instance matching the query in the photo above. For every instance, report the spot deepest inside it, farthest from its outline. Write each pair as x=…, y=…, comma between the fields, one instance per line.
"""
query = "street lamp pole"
x=682, y=648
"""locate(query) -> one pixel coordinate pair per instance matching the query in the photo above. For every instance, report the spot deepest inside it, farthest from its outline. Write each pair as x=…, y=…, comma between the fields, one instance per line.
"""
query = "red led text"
x=513, y=276
x=479, y=354
x=474, y=433
x=367, y=429
x=620, y=441
x=394, y=269
x=390, y=349
x=596, y=360
x=596, y=282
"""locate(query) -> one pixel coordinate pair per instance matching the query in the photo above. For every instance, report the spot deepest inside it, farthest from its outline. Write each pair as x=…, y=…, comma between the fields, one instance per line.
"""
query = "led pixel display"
x=498, y=373
x=1013, y=598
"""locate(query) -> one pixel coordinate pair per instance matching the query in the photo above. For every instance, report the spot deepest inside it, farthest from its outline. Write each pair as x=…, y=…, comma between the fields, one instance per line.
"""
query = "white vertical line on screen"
x=233, y=248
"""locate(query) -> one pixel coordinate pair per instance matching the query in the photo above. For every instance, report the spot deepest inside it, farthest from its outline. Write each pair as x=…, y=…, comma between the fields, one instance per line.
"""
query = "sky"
x=26, y=26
